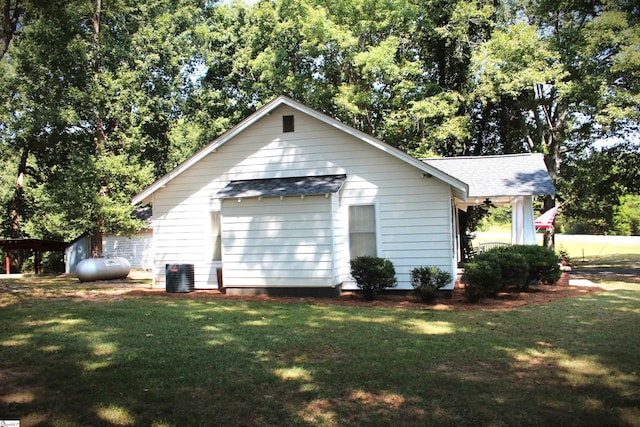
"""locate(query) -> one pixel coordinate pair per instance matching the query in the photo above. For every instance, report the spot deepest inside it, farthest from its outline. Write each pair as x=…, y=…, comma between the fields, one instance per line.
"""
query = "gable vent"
x=287, y=124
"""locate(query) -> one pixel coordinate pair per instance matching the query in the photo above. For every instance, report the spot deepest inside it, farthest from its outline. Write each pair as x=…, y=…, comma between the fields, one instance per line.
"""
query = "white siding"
x=413, y=216
x=137, y=249
x=413, y=211
x=278, y=243
x=78, y=250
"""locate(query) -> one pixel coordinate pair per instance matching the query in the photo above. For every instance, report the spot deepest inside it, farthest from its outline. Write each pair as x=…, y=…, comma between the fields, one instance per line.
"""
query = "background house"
x=283, y=201
x=137, y=249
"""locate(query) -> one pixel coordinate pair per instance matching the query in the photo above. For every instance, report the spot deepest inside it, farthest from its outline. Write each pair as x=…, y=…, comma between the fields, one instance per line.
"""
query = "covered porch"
x=513, y=180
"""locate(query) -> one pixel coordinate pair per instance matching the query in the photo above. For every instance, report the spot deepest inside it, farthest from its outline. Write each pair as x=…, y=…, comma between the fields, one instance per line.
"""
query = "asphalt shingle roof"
x=495, y=176
x=295, y=186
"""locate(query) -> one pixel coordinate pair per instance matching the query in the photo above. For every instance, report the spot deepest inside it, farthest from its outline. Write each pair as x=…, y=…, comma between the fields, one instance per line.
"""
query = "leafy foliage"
x=516, y=266
x=595, y=186
x=427, y=280
x=373, y=275
x=481, y=278
x=543, y=264
x=626, y=219
x=92, y=122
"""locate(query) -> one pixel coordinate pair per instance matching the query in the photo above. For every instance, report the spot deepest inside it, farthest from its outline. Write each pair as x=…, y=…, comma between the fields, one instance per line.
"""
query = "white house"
x=283, y=201
x=137, y=249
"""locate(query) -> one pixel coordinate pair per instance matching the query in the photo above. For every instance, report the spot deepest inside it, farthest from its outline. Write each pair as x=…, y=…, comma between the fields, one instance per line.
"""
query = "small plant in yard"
x=514, y=266
x=564, y=258
x=544, y=264
x=373, y=275
x=427, y=280
x=481, y=278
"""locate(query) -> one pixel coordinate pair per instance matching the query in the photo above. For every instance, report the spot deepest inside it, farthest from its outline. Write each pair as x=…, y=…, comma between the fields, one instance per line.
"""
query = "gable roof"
x=499, y=176
x=297, y=186
x=459, y=187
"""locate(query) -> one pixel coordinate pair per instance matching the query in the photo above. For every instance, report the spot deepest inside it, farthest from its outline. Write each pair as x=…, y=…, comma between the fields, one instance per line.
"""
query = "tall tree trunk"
x=17, y=205
x=553, y=162
x=11, y=12
x=549, y=238
x=550, y=119
x=100, y=133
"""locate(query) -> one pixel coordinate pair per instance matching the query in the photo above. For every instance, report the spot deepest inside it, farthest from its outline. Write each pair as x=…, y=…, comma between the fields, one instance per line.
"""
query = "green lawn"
x=581, y=248
x=167, y=361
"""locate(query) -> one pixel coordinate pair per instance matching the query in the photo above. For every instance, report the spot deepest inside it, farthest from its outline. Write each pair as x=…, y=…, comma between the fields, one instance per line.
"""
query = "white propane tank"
x=102, y=269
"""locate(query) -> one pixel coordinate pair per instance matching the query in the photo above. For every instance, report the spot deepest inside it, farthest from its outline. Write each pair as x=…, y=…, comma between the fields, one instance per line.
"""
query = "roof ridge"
x=480, y=157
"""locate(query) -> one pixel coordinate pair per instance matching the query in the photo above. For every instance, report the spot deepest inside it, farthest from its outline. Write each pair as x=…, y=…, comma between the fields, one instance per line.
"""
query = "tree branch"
x=11, y=13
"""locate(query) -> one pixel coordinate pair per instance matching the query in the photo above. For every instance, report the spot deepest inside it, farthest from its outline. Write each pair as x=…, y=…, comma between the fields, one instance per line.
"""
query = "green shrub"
x=427, y=280
x=373, y=275
x=481, y=278
x=426, y=294
x=514, y=268
x=543, y=264
x=626, y=218
x=564, y=258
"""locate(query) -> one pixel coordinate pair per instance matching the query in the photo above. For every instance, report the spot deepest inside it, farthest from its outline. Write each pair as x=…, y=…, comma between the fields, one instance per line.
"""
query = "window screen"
x=362, y=231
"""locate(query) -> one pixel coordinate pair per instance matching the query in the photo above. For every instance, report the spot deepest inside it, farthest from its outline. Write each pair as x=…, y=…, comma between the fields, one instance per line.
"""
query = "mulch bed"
x=504, y=301
x=117, y=290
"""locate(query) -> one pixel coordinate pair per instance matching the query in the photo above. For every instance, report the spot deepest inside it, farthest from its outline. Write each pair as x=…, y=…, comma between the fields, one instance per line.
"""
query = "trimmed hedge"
x=373, y=275
x=511, y=266
x=481, y=278
x=427, y=280
x=544, y=264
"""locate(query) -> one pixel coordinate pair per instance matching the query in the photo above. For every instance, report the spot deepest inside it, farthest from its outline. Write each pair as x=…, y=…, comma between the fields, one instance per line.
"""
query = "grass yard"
x=581, y=248
x=75, y=355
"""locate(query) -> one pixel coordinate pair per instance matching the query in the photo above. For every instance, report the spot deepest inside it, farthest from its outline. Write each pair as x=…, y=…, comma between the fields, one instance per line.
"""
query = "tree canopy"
x=97, y=99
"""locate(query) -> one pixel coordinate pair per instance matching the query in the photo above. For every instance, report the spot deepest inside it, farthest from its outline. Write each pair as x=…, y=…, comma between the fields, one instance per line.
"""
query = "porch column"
x=523, y=231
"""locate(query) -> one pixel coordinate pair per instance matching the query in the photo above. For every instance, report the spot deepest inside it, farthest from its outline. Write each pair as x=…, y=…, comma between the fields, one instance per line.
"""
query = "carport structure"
x=38, y=246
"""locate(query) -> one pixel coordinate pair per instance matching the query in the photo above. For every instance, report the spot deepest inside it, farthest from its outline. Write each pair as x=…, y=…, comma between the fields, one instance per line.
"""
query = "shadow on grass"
x=166, y=361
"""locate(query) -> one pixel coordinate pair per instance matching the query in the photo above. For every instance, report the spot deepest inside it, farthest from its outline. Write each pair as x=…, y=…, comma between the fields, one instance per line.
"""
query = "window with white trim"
x=362, y=231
